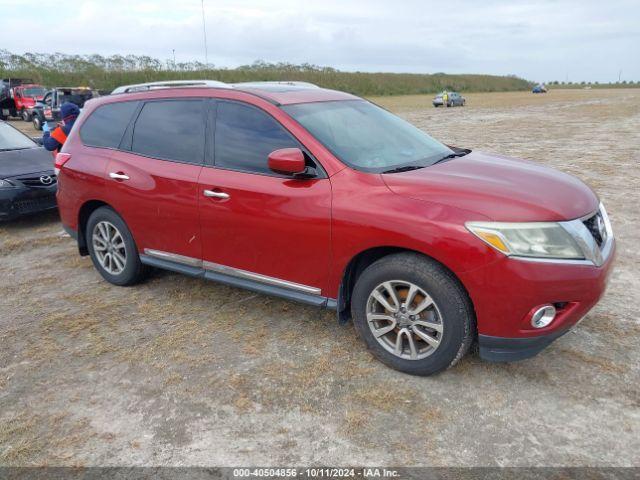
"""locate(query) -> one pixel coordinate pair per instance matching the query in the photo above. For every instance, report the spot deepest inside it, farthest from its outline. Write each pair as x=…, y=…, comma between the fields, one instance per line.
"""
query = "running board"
x=260, y=285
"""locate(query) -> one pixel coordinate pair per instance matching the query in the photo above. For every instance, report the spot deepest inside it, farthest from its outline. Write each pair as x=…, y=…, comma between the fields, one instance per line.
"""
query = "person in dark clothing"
x=53, y=140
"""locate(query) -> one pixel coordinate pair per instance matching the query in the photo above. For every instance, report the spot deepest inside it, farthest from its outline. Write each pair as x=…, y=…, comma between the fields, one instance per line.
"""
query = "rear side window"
x=245, y=136
x=106, y=125
x=171, y=130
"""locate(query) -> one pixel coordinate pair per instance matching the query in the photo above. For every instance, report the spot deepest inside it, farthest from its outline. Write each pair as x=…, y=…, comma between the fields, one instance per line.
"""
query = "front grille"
x=38, y=181
x=35, y=204
x=596, y=226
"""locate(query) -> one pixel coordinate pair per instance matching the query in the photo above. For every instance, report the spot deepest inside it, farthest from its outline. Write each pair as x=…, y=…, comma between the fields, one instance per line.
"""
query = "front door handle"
x=118, y=176
x=213, y=194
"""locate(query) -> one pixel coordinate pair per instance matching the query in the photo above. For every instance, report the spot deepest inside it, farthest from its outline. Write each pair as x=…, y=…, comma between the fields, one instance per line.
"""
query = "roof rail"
x=283, y=82
x=141, y=87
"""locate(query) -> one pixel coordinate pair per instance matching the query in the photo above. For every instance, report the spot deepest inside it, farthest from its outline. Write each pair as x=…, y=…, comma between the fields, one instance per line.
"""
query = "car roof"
x=278, y=93
x=292, y=94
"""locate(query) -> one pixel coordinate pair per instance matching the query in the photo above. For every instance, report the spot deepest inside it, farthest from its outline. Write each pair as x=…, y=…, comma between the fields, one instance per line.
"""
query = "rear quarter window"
x=106, y=125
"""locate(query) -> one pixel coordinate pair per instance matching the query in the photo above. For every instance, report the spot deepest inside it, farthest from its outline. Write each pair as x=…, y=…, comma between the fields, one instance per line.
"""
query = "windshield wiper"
x=451, y=155
x=406, y=168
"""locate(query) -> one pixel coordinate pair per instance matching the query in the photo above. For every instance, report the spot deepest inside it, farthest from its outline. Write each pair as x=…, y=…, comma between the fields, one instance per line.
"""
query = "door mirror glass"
x=288, y=161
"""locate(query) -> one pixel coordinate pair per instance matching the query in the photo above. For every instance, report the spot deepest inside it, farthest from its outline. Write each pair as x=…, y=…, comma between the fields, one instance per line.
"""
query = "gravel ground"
x=179, y=371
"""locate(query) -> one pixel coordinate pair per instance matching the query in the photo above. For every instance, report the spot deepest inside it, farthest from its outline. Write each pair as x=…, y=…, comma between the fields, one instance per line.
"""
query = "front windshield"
x=12, y=139
x=367, y=137
x=33, y=92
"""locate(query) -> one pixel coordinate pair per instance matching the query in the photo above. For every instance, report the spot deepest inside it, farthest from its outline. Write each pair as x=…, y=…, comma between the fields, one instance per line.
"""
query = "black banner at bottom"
x=311, y=473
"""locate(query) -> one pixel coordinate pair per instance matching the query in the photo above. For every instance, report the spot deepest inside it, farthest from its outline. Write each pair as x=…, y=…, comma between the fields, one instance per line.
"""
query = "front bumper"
x=505, y=292
x=18, y=201
x=500, y=349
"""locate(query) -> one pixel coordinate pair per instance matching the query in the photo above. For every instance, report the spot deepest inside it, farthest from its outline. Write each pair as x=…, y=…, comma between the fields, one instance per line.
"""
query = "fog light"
x=543, y=316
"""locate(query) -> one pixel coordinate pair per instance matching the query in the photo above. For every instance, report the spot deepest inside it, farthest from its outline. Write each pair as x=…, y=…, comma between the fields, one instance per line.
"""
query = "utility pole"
x=174, y=58
x=204, y=34
x=619, y=75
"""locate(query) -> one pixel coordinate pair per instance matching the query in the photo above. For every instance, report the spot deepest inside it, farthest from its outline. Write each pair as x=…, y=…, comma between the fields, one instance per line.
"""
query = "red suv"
x=322, y=197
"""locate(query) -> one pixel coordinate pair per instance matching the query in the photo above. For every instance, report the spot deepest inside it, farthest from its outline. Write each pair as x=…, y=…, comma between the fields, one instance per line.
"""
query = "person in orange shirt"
x=54, y=140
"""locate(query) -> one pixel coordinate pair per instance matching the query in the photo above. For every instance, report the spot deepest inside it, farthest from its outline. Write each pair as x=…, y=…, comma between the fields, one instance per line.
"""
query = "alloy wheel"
x=404, y=319
x=109, y=247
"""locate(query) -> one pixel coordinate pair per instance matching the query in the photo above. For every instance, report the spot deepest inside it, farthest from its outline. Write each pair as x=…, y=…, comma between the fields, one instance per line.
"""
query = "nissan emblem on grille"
x=46, y=179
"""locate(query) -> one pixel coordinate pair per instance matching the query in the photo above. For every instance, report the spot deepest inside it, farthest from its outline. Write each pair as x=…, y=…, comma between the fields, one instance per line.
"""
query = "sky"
x=540, y=40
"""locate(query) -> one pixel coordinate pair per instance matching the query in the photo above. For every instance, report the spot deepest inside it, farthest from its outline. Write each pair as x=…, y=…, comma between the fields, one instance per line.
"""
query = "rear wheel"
x=413, y=314
x=112, y=248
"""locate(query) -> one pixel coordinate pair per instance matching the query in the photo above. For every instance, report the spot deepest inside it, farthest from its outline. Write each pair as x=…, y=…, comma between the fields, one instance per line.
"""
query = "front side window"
x=367, y=137
x=245, y=136
x=171, y=130
x=107, y=124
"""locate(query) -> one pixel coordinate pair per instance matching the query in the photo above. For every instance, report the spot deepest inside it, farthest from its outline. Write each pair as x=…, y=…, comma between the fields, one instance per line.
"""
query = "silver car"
x=454, y=99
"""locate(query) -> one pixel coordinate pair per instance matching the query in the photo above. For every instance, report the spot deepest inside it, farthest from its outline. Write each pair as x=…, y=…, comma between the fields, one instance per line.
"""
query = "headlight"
x=6, y=184
x=535, y=239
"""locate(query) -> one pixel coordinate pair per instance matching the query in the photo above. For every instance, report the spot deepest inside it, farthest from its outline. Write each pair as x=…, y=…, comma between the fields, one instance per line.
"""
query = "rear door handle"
x=118, y=176
x=213, y=194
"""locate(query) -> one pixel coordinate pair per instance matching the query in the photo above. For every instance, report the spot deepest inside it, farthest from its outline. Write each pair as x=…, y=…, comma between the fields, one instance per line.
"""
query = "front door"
x=256, y=224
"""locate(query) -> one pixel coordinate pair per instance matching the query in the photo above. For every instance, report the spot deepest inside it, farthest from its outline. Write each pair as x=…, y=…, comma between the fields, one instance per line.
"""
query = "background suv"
x=322, y=197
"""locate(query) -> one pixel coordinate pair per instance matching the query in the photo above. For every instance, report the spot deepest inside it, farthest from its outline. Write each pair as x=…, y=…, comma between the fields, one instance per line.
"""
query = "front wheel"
x=112, y=248
x=25, y=115
x=413, y=314
x=37, y=122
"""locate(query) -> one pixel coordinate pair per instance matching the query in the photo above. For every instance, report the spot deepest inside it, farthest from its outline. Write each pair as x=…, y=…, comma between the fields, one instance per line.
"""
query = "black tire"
x=25, y=115
x=37, y=121
x=134, y=271
x=453, y=304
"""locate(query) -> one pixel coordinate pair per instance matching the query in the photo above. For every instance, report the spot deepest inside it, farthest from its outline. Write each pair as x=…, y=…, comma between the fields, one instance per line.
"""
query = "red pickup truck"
x=18, y=97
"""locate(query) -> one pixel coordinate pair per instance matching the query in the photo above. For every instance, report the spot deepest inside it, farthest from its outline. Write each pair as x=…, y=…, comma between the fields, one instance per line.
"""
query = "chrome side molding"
x=236, y=272
x=231, y=271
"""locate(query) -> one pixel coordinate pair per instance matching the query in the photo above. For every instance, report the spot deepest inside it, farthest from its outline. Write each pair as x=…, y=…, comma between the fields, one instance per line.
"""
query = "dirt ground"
x=179, y=371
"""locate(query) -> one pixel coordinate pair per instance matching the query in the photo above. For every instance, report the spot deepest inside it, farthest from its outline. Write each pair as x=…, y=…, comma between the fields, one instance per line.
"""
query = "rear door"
x=259, y=225
x=153, y=177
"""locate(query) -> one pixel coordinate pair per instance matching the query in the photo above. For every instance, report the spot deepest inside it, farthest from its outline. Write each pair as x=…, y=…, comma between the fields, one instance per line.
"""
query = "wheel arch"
x=84, y=213
x=361, y=261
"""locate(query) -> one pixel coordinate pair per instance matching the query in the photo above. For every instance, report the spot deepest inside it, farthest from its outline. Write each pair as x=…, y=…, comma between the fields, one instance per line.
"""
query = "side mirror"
x=288, y=161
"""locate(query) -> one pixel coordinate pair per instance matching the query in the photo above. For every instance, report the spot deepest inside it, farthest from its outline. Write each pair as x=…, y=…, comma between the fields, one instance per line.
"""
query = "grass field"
x=178, y=371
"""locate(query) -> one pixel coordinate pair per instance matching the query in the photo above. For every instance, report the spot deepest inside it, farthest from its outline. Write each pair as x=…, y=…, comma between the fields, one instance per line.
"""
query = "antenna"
x=204, y=34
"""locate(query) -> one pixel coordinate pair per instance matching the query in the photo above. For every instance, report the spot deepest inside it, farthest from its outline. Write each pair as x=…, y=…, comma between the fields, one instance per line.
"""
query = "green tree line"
x=107, y=72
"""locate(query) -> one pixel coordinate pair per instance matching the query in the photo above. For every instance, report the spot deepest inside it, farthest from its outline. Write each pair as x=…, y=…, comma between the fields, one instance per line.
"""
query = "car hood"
x=22, y=162
x=503, y=189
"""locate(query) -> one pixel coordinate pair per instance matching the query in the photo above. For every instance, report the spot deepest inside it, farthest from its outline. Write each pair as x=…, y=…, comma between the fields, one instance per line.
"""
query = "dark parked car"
x=48, y=110
x=453, y=99
x=27, y=181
